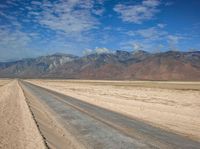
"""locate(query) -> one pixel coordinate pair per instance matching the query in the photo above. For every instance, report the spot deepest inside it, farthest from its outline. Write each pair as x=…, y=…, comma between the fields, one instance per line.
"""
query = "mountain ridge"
x=121, y=65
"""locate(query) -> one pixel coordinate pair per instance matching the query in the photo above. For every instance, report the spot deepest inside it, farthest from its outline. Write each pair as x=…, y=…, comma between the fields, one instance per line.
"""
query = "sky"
x=30, y=28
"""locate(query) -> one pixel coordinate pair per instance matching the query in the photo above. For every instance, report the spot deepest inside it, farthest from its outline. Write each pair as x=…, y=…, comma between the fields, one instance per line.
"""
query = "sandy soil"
x=170, y=105
x=17, y=127
x=4, y=81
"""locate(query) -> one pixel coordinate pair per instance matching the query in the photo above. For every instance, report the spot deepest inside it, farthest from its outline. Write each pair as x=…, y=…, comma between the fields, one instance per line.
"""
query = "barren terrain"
x=17, y=127
x=174, y=106
x=4, y=81
x=79, y=114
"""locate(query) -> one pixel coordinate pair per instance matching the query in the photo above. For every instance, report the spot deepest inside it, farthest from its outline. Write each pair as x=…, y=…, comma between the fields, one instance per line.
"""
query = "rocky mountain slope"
x=139, y=65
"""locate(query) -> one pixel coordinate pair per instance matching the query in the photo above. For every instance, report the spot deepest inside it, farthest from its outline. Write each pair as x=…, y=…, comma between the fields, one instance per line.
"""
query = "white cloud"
x=102, y=50
x=13, y=44
x=130, y=33
x=142, y=44
x=100, y=2
x=70, y=17
x=13, y=38
x=173, y=39
x=12, y=2
x=36, y=3
x=133, y=45
x=137, y=46
x=98, y=12
x=152, y=33
x=160, y=25
x=151, y=3
x=67, y=25
x=96, y=51
x=153, y=39
x=87, y=52
x=138, y=13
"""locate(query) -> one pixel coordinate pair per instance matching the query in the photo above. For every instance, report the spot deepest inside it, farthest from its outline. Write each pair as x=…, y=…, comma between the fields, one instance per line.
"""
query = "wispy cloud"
x=152, y=39
x=13, y=38
x=13, y=44
x=70, y=17
x=62, y=25
x=160, y=25
x=48, y=26
x=152, y=33
x=98, y=11
x=173, y=40
x=138, y=13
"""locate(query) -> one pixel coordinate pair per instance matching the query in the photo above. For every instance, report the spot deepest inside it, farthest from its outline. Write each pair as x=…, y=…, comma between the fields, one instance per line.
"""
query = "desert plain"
x=170, y=106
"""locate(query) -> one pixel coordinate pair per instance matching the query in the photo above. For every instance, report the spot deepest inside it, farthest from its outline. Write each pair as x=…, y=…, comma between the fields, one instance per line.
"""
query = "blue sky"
x=30, y=28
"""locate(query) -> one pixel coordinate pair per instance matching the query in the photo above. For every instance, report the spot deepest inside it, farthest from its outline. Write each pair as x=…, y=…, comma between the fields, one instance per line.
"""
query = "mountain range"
x=120, y=65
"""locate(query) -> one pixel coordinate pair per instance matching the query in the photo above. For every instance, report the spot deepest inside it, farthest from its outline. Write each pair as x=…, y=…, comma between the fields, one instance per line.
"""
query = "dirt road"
x=173, y=106
x=82, y=125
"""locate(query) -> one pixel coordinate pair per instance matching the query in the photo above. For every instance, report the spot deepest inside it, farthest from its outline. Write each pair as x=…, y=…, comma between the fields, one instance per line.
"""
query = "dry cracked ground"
x=107, y=114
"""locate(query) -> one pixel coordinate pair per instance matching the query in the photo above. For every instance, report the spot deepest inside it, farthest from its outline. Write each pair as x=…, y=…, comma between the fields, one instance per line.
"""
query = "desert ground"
x=169, y=105
x=99, y=114
x=4, y=81
x=17, y=127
